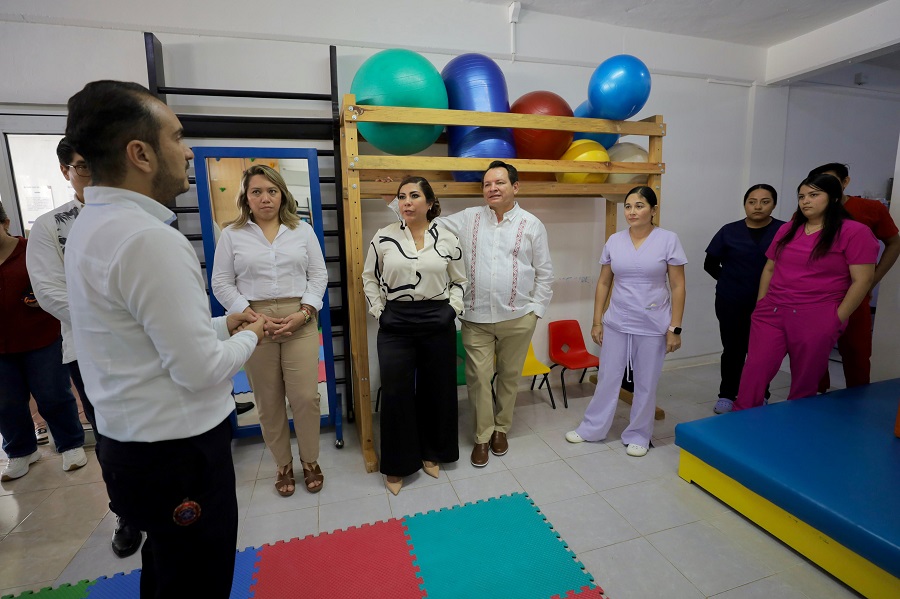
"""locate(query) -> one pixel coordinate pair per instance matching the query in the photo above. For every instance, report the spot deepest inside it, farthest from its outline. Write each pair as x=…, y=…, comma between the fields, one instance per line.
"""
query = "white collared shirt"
x=507, y=263
x=249, y=268
x=155, y=366
x=44, y=259
x=396, y=270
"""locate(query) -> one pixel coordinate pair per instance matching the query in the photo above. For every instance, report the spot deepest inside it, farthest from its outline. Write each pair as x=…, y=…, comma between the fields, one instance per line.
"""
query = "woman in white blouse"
x=414, y=281
x=269, y=262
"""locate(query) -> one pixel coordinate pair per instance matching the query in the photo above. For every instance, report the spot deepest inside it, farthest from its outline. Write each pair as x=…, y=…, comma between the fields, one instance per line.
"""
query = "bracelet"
x=598, y=324
x=308, y=315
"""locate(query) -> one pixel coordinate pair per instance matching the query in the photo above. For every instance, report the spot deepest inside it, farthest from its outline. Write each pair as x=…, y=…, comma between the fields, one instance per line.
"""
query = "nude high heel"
x=432, y=469
x=393, y=486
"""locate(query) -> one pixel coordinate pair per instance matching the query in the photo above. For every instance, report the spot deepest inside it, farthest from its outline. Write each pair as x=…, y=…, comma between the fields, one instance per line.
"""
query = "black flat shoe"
x=242, y=407
x=126, y=540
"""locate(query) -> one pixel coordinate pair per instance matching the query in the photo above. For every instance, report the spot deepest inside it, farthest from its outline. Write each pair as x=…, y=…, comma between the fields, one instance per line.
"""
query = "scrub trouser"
x=734, y=330
x=855, y=347
x=498, y=347
x=148, y=481
x=417, y=357
x=806, y=334
x=645, y=353
x=287, y=367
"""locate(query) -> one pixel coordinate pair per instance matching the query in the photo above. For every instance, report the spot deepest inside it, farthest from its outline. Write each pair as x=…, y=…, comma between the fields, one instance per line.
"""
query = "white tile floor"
x=639, y=529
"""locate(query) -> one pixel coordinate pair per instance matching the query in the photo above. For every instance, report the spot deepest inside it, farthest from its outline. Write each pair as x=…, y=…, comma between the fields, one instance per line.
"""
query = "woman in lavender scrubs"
x=643, y=322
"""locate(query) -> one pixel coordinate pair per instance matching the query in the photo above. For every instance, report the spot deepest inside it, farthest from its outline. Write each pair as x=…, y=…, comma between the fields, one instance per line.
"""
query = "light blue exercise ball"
x=604, y=139
x=619, y=88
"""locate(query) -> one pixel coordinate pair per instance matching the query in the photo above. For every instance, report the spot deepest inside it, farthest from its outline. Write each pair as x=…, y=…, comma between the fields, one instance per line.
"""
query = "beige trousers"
x=508, y=341
x=287, y=367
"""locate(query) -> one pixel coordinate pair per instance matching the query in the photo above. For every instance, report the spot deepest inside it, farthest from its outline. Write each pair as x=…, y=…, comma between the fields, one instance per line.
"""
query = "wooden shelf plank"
x=431, y=116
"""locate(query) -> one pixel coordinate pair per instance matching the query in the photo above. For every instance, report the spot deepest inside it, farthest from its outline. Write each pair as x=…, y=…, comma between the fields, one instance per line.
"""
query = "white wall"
x=858, y=36
x=886, y=338
x=827, y=124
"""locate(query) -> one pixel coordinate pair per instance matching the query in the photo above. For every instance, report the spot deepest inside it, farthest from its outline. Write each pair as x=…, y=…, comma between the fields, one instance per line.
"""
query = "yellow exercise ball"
x=625, y=151
x=588, y=151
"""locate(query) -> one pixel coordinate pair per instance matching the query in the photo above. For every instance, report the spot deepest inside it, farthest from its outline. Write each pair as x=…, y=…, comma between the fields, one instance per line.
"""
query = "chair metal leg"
x=581, y=380
x=549, y=390
x=562, y=378
x=533, y=379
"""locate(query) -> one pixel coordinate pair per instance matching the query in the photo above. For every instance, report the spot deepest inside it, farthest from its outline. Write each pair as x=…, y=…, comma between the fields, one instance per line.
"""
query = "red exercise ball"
x=541, y=143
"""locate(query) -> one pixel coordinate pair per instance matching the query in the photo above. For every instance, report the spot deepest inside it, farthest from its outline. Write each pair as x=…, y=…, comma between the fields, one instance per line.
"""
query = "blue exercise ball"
x=482, y=142
x=604, y=139
x=475, y=82
x=399, y=77
x=619, y=88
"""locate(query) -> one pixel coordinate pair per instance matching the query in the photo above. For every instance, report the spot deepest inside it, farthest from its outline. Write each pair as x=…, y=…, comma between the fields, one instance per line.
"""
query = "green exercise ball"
x=399, y=77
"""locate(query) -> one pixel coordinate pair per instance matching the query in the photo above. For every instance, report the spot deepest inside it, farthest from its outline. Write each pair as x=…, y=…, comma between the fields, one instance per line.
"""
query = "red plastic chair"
x=567, y=350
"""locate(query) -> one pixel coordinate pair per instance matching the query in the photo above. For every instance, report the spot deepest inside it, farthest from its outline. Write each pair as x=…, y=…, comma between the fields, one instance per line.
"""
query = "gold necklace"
x=807, y=230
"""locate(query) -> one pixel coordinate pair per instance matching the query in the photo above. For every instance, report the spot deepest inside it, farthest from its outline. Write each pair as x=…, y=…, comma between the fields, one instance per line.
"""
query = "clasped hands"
x=276, y=328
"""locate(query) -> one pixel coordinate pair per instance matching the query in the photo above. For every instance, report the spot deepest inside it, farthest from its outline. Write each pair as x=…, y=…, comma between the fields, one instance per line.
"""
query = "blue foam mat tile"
x=240, y=382
x=246, y=565
x=119, y=586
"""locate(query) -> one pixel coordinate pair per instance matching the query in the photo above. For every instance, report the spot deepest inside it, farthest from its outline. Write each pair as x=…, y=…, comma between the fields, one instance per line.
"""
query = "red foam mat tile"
x=373, y=561
x=583, y=593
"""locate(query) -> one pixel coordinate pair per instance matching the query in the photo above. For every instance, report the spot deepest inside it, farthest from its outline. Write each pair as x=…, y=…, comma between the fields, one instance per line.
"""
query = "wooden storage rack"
x=359, y=172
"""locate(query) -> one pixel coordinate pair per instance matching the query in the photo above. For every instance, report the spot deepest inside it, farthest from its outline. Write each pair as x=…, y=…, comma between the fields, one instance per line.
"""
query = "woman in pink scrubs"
x=643, y=322
x=820, y=266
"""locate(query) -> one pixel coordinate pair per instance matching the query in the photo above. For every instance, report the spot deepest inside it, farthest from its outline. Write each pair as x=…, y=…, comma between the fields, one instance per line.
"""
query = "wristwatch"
x=676, y=330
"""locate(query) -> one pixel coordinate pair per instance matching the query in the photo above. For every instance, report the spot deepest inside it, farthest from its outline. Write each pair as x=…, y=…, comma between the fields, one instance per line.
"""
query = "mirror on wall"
x=218, y=173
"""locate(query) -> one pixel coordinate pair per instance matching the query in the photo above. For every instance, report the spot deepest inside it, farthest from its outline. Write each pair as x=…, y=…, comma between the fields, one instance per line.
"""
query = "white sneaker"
x=573, y=437
x=18, y=467
x=635, y=450
x=74, y=459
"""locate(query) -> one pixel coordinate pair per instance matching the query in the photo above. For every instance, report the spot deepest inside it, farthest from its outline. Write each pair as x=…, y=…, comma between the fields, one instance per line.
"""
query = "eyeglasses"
x=82, y=170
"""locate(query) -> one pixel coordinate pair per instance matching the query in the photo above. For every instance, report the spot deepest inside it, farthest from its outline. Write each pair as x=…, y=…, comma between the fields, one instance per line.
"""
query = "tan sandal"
x=284, y=478
x=312, y=474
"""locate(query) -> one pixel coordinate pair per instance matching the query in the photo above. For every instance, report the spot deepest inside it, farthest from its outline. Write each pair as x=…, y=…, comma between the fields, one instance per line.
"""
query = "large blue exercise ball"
x=604, y=139
x=475, y=82
x=619, y=88
x=399, y=77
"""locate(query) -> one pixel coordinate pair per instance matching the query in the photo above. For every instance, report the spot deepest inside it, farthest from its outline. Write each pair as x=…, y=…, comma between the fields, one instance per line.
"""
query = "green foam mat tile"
x=501, y=547
x=65, y=591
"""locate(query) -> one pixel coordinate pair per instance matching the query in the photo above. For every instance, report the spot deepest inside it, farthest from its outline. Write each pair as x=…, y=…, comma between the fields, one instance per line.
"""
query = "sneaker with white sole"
x=18, y=467
x=723, y=406
x=574, y=437
x=635, y=450
x=73, y=459
x=41, y=435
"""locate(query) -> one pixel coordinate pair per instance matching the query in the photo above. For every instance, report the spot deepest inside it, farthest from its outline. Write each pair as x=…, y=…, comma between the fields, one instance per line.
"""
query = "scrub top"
x=799, y=280
x=641, y=302
x=742, y=253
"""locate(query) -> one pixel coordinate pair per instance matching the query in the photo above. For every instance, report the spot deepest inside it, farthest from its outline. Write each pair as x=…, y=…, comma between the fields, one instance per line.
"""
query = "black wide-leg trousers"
x=417, y=355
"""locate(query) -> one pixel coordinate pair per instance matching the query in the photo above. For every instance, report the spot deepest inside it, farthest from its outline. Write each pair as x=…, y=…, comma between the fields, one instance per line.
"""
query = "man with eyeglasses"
x=44, y=259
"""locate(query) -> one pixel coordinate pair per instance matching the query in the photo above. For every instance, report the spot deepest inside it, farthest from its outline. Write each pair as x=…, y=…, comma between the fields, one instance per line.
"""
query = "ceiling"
x=761, y=23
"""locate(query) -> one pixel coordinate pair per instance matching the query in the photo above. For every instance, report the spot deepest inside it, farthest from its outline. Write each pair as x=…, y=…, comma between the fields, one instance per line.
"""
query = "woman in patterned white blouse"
x=414, y=281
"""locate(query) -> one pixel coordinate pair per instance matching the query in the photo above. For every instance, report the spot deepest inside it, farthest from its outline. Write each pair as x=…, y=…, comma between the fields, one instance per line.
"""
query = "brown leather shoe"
x=480, y=455
x=499, y=444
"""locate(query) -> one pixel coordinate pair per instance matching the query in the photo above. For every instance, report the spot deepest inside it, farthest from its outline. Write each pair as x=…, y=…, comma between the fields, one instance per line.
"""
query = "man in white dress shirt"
x=46, y=269
x=510, y=275
x=157, y=368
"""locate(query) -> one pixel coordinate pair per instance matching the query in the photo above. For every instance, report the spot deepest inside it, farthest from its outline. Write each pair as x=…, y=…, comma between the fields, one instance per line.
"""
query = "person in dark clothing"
x=735, y=259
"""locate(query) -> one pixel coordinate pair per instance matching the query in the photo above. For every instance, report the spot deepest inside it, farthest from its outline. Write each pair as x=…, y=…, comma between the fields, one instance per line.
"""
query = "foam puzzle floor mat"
x=441, y=554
